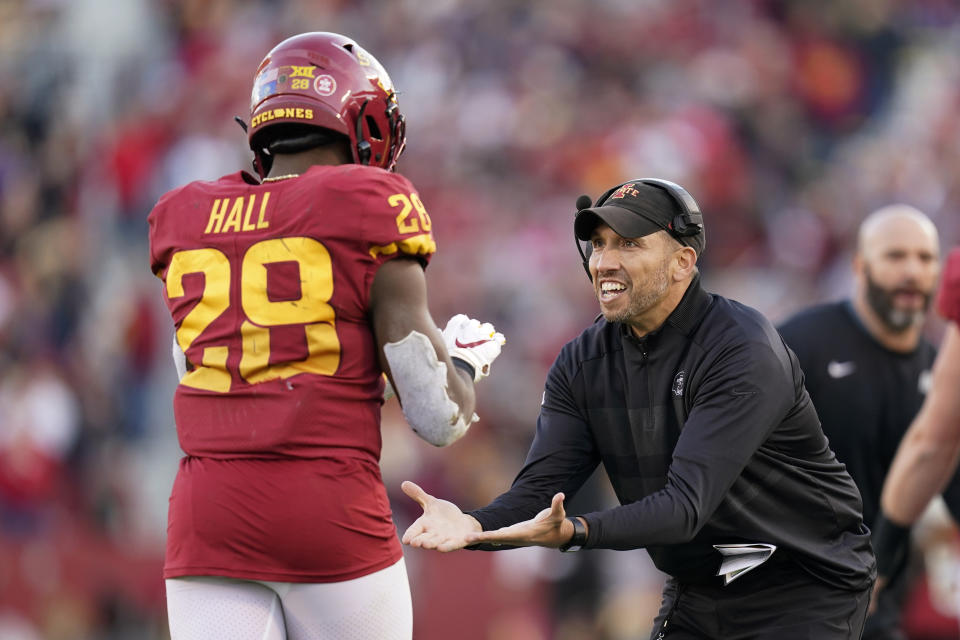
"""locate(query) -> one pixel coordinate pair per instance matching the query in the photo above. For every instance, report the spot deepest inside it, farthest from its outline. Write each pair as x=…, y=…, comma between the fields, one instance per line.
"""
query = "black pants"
x=885, y=623
x=780, y=602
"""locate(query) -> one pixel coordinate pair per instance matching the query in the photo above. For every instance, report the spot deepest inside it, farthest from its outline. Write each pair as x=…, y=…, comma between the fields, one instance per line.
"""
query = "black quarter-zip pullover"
x=708, y=437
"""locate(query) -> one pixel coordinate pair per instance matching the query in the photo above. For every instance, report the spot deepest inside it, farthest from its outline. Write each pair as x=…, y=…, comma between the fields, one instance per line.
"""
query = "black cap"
x=634, y=210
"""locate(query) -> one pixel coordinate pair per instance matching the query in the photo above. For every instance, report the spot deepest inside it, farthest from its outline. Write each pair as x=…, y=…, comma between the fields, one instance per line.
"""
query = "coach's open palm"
x=547, y=529
x=442, y=526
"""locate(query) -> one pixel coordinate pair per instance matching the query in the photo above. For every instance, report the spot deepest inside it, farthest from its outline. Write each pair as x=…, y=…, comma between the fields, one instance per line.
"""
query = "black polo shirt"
x=866, y=395
x=708, y=437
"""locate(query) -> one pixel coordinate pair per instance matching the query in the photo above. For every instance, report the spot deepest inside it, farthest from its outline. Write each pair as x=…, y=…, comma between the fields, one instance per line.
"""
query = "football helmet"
x=327, y=80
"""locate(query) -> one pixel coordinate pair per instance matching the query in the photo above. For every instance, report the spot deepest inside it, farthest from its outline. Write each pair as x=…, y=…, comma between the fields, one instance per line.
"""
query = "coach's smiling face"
x=637, y=280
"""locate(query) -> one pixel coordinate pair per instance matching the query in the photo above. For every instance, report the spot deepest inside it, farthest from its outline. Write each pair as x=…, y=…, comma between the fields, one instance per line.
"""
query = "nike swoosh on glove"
x=948, y=298
x=478, y=344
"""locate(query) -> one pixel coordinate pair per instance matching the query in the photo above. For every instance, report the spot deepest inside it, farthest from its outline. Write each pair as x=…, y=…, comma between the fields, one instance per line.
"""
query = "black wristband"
x=466, y=366
x=579, y=537
x=890, y=544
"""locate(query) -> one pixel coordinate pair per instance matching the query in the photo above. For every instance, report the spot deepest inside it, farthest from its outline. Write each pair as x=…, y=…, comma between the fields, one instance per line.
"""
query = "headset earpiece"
x=689, y=221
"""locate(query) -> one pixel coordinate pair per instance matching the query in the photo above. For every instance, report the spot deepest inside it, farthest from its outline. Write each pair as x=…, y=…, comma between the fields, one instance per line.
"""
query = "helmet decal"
x=325, y=85
x=265, y=85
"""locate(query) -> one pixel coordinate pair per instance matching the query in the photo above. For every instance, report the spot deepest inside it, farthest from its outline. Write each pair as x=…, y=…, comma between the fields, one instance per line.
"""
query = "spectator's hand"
x=549, y=528
x=442, y=526
x=476, y=344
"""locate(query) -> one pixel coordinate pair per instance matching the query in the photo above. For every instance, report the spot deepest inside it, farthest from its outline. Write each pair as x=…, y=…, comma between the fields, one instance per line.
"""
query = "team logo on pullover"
x=678, y=381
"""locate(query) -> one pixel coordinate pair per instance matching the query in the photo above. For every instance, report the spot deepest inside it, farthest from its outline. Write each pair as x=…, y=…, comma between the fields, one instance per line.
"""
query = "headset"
x=687, y=222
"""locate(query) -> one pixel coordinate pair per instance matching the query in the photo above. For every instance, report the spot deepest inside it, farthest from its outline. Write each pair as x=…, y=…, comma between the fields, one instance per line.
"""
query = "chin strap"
x=363, y=146
x=262, y=161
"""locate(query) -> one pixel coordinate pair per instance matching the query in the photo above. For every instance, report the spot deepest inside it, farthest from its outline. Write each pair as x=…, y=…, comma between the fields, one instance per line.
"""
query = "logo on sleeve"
x=678, y=381
x=839, y=370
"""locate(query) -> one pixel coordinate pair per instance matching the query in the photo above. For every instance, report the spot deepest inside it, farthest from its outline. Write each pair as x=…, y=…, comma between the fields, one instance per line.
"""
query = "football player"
x=292, y=293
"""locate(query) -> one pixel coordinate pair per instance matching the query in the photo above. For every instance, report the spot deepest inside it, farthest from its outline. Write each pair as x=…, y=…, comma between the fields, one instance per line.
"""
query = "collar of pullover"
x=685, y=317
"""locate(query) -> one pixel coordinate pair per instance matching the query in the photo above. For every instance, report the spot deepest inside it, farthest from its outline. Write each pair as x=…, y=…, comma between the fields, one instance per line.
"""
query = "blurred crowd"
x=787, y=120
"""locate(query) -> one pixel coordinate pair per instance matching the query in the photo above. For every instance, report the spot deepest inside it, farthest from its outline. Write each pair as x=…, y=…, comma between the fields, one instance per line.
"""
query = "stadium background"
x=788, y=121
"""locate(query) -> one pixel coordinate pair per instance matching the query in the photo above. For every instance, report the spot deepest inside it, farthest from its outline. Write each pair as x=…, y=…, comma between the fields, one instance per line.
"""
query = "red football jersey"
x=948, y=296
x=279, y=415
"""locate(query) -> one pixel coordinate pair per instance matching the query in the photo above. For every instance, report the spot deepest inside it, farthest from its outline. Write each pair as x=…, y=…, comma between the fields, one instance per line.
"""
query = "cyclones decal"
x=297, y=113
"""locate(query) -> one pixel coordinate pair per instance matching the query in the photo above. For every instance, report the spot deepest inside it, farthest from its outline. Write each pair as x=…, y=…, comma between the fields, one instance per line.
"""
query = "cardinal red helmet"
x=328, y=80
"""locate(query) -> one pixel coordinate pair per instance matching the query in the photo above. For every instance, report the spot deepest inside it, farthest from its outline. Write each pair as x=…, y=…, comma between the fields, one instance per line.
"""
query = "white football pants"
x=373, y=607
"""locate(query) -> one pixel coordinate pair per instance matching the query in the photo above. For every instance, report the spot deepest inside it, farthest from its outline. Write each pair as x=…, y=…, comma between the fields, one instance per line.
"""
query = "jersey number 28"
x=310, y=310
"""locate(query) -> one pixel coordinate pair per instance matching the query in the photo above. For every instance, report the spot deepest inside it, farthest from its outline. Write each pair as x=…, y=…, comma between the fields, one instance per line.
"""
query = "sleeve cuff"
x=466, y=366
x=891, y=542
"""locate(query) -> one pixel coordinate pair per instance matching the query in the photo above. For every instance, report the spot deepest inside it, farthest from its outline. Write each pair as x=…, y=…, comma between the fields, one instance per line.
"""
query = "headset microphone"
x=584, y=202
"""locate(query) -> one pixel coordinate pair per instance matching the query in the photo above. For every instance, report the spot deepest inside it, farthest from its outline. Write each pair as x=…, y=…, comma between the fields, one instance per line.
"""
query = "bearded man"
x=867, y=365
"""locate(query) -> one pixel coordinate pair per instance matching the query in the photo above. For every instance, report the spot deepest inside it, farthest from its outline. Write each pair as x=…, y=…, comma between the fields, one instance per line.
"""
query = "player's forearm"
x=920, y=471
x=928, y=453
x=421, y=382
x=460, y=389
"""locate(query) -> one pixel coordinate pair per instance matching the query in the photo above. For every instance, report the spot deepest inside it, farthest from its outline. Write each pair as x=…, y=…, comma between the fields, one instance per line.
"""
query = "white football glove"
x=476, y=344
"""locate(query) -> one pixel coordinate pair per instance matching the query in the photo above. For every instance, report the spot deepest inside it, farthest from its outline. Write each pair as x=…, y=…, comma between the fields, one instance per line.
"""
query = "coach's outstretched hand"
x=444, y=527
x=549, y=528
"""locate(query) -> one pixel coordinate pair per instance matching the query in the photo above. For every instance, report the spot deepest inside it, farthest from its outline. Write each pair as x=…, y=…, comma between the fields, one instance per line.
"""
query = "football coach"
x=698, y=412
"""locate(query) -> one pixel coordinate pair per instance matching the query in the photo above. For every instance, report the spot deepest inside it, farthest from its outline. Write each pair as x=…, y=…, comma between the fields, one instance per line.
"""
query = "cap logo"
x=628, y=189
